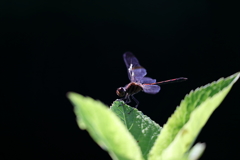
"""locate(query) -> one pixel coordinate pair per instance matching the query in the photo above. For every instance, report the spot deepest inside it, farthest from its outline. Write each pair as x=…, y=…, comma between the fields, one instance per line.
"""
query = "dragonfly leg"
x=137, y=102
x=128, y=100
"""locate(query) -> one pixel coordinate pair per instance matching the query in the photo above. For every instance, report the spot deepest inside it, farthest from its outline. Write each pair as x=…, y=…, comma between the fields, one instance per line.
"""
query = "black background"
x=51, y=47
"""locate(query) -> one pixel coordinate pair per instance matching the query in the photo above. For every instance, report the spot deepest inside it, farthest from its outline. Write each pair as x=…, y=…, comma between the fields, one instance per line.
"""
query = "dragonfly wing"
x=136, y=75
x=148, y=80
x=151, y=89
x=135, y=71
x=129, y=59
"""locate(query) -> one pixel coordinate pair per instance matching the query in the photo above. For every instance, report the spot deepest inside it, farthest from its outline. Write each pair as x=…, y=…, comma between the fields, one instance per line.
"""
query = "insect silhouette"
x=136, y=74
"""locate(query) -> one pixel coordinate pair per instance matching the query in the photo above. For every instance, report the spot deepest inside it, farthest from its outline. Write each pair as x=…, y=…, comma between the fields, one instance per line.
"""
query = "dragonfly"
x=138, y=81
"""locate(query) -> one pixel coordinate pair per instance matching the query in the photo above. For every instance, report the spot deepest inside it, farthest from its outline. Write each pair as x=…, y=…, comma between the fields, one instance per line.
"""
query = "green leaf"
x=184, y=125
x=105, y=128
x=144, y=130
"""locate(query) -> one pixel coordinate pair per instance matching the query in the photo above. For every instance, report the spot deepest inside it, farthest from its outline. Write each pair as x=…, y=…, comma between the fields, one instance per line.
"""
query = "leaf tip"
x=68, y=94
x=197, y=151
x=236, y=75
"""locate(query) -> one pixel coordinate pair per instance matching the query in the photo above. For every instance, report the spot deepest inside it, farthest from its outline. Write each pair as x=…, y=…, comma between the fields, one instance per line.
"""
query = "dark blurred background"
x=51, y=47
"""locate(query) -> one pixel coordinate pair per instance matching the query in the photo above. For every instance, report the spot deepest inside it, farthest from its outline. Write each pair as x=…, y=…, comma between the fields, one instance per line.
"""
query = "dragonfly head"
x=121, y=91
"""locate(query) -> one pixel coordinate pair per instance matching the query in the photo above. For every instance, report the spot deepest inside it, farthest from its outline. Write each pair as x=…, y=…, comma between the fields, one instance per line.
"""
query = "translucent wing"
x=147, y=80
x=151, y=89
x=135, y=71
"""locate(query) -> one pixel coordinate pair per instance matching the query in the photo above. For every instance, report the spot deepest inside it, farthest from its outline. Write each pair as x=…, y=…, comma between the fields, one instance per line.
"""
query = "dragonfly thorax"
x=133, y=88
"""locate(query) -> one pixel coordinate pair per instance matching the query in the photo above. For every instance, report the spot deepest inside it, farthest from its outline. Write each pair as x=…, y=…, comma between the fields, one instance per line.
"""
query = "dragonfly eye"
x=121, y=92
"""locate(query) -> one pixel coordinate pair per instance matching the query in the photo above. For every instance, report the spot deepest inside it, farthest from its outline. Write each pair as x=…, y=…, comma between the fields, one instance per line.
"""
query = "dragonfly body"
x=136, y=74
x=130, y=89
